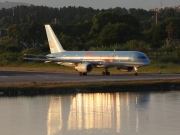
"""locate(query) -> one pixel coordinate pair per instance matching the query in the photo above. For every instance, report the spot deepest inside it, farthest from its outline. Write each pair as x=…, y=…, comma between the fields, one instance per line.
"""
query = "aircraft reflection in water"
x=96, y=112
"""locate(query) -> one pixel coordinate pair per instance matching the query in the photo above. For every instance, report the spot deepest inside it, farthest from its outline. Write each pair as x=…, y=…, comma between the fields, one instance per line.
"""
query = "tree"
x=109, y=35
x=102, y=19
x=141, y=14
x=116, y=33
x=173, y=24
x=166, y=13
x=14, y=32
x=158, y=35
x=36, y=34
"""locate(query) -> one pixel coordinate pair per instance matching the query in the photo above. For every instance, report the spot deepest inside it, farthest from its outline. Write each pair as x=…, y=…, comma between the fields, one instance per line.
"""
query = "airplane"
x=85, y=61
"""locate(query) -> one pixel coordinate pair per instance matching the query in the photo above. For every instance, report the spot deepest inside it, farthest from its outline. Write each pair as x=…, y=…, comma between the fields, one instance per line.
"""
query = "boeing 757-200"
x=85, y=61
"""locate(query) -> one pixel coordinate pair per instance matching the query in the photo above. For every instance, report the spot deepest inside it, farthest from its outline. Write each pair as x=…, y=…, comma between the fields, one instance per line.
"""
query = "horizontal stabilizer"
x=36, y=59
x=39, y=56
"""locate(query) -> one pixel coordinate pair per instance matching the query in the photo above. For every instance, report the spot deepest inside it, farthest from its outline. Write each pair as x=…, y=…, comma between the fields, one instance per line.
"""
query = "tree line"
x=80, y=28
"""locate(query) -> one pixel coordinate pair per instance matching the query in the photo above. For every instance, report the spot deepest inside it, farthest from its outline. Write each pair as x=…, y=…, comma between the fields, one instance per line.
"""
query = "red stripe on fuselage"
x=109, y=58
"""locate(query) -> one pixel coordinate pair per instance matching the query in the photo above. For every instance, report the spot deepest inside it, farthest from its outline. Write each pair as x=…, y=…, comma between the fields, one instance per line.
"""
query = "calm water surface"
x=96, y=114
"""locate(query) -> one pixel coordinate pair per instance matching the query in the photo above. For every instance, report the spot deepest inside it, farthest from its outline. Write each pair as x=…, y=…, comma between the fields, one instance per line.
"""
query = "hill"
x=11, y=4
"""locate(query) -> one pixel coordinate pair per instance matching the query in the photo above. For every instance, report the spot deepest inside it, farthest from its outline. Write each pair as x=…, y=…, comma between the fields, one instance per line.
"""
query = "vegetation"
x=22, y=31
x=34, y=88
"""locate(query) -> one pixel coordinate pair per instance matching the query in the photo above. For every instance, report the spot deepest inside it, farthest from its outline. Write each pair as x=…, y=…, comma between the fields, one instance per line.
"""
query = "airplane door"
x=133, y=57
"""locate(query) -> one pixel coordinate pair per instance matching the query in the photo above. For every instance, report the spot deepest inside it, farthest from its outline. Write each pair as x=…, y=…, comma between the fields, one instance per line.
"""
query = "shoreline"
x=33, y=88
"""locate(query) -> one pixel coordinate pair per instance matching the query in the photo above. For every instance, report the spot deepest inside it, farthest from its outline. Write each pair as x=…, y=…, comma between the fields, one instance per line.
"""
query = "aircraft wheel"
x=80, y=73
x=136, y=74
x=108, y=73
x=103, y=73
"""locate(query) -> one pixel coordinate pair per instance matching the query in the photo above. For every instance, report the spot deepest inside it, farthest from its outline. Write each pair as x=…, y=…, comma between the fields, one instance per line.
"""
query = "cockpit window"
x=141, y=57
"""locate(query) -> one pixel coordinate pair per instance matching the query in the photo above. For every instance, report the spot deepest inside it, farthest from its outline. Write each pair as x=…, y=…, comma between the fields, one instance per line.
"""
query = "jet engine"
x=84, y=67
x=125, y=69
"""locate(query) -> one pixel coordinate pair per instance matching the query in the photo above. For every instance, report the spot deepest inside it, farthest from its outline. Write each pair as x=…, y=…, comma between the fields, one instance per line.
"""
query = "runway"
x=14, y=76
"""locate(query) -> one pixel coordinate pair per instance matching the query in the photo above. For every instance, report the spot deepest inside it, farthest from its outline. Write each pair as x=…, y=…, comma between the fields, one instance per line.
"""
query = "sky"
x=103, y=4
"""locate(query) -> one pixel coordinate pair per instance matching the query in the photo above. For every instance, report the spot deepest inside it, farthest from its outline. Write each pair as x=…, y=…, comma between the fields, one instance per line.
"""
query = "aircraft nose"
x=147, y=62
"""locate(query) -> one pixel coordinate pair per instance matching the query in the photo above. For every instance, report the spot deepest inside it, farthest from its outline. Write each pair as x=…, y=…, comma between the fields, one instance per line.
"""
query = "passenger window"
x=141, y=57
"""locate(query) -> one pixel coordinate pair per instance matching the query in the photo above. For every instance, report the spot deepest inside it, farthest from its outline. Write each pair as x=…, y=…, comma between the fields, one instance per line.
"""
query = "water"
x=97, y=114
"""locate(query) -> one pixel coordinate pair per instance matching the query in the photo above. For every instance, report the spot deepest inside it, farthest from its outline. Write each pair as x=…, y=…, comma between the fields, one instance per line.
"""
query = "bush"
x=12, y=48
x=30, y=51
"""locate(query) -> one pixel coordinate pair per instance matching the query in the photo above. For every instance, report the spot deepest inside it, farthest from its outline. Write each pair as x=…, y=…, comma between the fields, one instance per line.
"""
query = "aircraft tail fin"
x=54, y=44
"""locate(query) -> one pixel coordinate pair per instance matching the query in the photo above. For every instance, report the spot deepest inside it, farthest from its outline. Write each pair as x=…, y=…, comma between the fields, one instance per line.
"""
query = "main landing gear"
x=82, y=74
x=136, y=74
x=106, y=72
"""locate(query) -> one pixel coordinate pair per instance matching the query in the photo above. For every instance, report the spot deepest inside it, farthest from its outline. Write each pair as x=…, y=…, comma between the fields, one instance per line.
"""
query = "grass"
x=154, y=67
x=162, y=68
x=87, y=84
x=136, y=85
x=38, y=66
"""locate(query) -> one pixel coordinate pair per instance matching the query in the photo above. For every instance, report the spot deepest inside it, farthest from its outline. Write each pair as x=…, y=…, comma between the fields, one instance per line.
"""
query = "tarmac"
x=16, y=76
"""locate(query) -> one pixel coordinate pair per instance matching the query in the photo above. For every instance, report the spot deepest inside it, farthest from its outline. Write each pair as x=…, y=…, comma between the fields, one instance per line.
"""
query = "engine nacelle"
x=84, y=67
x=125, y=69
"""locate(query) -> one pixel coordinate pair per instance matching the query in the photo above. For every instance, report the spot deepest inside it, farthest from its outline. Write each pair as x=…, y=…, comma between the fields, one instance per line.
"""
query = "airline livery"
x=85, y=61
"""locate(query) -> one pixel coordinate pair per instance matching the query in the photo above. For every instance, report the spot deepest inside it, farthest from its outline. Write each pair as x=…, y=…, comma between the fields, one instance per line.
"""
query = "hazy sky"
x=103, y=4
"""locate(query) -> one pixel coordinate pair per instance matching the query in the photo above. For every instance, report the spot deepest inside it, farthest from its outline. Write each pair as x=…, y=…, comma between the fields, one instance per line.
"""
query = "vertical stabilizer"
x=54, y=43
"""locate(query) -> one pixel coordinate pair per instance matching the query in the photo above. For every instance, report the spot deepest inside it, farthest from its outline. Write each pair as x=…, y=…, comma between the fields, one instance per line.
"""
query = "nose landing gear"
x=136, y=71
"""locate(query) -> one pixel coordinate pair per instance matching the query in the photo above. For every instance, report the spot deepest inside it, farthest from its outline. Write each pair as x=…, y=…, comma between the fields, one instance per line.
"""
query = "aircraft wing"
x=76, y=61
x=53, y=59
